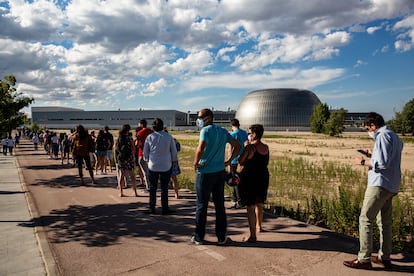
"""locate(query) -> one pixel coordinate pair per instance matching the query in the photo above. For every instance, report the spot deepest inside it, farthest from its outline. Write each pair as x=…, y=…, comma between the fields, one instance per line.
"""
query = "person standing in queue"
x=160, y=152
x=210, y=166
x=254, y=180
x=124, y=155
x=82, y=146
x=241, y=136
x=141, y=136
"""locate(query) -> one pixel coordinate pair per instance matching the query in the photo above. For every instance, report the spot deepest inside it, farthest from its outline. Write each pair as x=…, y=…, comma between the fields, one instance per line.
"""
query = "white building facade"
x=67, y=118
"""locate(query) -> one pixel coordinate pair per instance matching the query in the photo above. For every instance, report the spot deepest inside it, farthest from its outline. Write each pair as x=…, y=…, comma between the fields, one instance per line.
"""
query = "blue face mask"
x=200, y=123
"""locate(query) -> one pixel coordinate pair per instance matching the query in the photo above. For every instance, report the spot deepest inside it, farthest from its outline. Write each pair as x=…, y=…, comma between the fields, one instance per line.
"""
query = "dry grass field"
x=319, y=147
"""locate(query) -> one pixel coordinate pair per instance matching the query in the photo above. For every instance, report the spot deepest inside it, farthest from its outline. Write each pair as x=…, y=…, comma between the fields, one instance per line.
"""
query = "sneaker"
x=196, y=242
x=224, y=242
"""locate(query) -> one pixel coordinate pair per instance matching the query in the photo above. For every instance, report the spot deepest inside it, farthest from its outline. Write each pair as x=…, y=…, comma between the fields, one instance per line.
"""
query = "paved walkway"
x=19, y=246
x=51, y=225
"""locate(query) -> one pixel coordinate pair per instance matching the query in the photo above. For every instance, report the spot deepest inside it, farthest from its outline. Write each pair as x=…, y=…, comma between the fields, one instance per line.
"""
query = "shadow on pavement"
x=72, y=181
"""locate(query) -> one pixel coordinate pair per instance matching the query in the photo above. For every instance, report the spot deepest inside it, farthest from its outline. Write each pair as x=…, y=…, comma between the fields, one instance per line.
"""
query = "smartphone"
x=364, y=152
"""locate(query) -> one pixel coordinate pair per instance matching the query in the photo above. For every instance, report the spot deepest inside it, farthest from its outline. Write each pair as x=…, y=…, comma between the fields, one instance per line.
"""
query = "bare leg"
x=91, y=174
x=133, y=181
x=259, y=217
x=251, y=218
x=121, y=180
x=175, y=185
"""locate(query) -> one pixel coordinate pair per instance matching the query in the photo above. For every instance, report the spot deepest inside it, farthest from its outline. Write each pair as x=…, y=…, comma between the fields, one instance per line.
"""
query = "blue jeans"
x=164, y=178
x=206, y=184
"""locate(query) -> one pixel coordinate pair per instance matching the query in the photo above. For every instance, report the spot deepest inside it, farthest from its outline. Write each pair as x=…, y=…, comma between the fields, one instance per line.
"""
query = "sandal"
x=249, y=239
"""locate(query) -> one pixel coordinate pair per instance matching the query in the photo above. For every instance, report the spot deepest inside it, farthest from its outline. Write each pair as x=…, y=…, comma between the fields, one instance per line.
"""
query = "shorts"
x=100, y=153
x=109, y=154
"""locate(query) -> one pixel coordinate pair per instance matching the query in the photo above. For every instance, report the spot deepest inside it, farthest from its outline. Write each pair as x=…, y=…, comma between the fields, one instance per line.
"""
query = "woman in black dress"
x=254, y=179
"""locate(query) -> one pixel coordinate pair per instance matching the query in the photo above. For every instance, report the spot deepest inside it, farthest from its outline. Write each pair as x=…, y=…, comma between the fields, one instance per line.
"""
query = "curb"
x=51, y=267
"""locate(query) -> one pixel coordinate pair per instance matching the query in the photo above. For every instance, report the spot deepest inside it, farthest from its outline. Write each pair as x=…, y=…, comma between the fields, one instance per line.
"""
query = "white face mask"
x=200, y=123
x=250, y=138
x=371, y=134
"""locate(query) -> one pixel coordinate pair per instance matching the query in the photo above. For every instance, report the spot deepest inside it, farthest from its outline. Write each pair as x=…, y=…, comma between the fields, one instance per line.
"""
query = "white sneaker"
x=196, y=242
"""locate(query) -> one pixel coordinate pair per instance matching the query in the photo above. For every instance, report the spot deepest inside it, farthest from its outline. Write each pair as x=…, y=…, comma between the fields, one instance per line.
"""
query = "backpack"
x=102, y=143
x=123, y=148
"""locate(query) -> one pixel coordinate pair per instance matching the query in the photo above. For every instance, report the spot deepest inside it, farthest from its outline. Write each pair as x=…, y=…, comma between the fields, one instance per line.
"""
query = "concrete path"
x=19, y=246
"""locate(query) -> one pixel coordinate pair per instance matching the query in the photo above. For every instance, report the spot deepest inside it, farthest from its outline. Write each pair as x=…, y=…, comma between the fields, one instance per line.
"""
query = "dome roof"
x=277, y=108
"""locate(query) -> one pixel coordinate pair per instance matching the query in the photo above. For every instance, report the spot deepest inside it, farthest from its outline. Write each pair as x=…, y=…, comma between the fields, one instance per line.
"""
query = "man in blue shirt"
x=210, y=167
x=384, y=177
x=160, y=152
x=241, y=136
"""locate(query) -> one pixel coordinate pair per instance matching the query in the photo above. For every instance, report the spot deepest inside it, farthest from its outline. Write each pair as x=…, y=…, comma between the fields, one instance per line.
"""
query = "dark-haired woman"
x=124, y=154
x=254, y=180
x=82, y=145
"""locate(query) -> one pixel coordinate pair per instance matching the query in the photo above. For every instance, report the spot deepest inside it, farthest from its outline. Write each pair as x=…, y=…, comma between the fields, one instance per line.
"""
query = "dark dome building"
x=278, y=109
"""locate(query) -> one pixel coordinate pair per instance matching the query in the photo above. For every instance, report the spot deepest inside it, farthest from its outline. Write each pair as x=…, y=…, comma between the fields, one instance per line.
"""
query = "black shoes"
x=385, y=263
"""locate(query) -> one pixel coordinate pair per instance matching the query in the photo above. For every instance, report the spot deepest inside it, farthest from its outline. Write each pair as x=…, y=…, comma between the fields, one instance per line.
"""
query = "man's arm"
x=198, y=153
x=235, y=148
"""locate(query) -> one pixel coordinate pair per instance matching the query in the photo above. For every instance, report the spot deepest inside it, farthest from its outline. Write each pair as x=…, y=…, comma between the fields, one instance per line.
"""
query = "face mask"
x=371, y=134
x=249, y=137
x=200, y=123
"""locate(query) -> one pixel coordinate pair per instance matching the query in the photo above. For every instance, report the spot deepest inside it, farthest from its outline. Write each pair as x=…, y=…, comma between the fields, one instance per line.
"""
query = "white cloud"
x=154, y=88
x=360, y=63
x=292, y=77
x=372, y=30
x=406, y=38
x=127, y=49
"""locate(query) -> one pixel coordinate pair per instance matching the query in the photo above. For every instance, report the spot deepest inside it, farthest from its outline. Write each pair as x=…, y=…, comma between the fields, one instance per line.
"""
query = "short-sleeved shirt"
x=141, y=136
x=213, y=156
x=241, y=136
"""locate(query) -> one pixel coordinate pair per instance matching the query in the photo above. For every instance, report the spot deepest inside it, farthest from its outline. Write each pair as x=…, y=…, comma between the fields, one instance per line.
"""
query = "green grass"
x=328, y=194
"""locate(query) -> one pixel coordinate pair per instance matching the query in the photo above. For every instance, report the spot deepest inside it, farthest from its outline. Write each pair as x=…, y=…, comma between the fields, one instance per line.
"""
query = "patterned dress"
x=125, y=153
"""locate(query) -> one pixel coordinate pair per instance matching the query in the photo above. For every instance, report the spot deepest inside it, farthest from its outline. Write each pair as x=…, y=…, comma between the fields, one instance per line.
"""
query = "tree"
x=404, y=120
x=11, y=102
x=319, y=117
x=335, y=124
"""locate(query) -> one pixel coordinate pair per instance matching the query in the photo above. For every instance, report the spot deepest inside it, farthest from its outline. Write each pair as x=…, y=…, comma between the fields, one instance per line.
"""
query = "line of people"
x=156, y=152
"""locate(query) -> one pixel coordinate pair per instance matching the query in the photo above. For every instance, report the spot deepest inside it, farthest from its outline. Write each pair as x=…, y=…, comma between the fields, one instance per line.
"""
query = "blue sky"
x=187, y=55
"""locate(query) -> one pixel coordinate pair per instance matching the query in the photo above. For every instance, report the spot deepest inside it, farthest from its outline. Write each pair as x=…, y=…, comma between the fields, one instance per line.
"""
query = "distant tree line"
x=332, y=123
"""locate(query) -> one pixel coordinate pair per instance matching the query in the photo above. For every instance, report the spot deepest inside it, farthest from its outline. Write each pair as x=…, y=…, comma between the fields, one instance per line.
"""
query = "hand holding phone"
x=364, y=152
